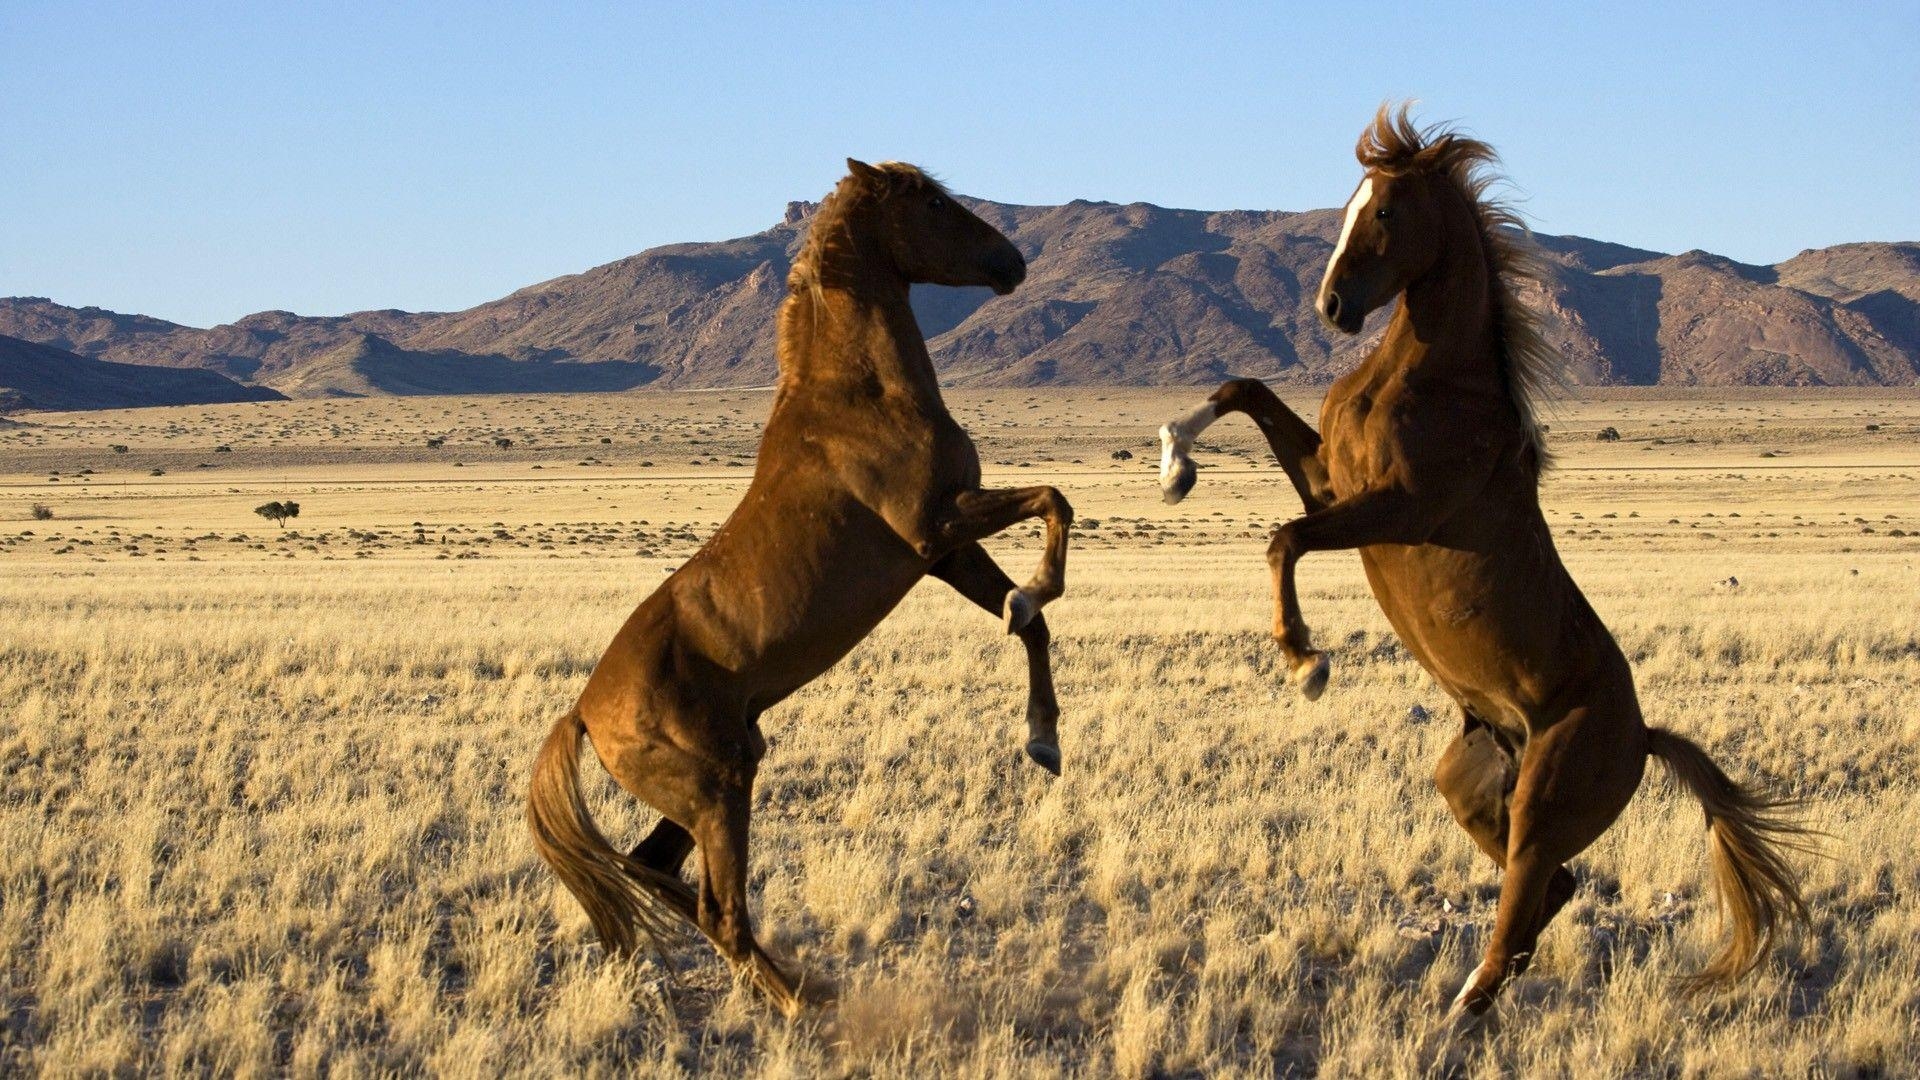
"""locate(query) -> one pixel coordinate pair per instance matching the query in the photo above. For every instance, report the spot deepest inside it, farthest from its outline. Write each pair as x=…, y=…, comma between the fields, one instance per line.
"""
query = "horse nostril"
x=1332, y=306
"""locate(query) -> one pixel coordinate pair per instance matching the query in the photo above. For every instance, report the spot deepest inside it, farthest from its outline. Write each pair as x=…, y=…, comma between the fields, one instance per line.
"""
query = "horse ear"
x=863, y=171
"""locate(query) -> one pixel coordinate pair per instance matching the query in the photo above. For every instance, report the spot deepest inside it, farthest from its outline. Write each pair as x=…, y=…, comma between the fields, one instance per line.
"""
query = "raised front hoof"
x=1175, y=486
x=1046, y=755
x=1310, y=675
x=1018, y=611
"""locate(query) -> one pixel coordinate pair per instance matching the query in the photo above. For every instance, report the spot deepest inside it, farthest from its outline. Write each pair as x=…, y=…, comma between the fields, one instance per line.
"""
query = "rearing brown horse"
x=1428, y=461
x=863, y=486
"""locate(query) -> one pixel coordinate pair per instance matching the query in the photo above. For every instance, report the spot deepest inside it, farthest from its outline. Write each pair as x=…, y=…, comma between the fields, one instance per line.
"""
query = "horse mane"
x=1529, y=365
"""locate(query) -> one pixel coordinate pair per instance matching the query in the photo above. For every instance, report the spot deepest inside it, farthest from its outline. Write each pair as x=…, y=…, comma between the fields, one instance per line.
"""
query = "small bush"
x=42, y=512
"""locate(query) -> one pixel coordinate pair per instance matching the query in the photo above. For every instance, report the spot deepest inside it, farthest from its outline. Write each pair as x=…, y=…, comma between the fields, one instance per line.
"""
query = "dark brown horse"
x=864, y=485
x=1428, y=461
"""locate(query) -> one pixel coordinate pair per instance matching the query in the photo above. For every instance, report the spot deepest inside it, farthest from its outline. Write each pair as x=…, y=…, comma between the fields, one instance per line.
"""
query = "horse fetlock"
x=1059, y=510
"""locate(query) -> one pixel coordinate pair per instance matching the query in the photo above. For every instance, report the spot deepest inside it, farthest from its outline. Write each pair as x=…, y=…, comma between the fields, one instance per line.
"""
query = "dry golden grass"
x=261, y=798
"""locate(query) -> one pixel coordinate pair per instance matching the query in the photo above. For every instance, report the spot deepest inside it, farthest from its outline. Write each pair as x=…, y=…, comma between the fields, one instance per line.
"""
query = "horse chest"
x=1352, y=447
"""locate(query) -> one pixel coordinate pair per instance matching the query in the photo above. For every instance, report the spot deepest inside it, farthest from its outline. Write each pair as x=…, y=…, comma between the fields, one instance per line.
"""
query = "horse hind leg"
x=1573, y=781
x=1476, y=775
x=705, y=798
x=665, y=850
x=721, y=832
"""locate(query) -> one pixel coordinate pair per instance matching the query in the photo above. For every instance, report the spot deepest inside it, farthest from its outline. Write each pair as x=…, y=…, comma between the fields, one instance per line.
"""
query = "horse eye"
x=1383, y=213
x=936, y=203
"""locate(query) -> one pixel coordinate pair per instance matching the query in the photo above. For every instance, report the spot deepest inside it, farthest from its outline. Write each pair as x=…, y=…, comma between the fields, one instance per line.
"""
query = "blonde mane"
x=1531, y=367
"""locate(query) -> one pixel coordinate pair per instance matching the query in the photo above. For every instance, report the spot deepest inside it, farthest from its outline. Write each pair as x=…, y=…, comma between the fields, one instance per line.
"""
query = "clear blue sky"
x=201, y=161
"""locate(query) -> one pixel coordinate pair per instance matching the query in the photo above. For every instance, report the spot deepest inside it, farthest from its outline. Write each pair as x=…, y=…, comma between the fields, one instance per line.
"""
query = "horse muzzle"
x=1341, y=313
x=1005, y=271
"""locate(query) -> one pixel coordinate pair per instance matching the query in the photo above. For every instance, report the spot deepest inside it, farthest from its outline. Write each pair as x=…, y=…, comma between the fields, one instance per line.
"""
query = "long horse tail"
x=624, y=898
x=1758, y=890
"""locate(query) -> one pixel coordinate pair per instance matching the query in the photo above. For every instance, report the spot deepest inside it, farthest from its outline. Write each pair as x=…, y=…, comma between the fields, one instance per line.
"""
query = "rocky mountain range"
x=35, y=376
x=1115, y=295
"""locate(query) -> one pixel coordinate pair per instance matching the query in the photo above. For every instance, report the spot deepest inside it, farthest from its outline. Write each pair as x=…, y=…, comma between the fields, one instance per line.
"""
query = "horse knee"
x=1058, y=509
x=1284, y=548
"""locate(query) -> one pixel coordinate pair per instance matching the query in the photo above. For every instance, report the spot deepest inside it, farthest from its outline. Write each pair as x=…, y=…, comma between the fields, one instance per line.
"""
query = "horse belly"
x=1486, y=631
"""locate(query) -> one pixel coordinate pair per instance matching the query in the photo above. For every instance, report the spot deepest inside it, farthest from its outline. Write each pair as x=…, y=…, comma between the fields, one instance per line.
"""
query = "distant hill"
x=1116, y=294
x=34, y=376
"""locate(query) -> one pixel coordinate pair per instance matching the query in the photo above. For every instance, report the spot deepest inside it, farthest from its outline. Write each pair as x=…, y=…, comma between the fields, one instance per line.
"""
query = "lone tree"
x=279, y=512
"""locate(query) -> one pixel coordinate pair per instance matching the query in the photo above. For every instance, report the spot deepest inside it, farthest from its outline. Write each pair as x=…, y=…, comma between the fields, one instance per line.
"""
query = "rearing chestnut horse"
x=1428, y=461
x=863, y=486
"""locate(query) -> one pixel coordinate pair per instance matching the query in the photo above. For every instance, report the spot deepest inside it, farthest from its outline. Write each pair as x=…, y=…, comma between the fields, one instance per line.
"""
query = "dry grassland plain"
x=261, y=788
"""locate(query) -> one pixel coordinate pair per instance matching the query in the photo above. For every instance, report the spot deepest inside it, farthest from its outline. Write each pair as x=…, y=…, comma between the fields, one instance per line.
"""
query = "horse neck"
x=858, y=333
x=1444, y=327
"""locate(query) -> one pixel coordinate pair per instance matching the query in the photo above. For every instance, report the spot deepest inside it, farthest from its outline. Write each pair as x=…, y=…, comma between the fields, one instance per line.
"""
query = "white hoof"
x=1177, y=471
x=1310, y=675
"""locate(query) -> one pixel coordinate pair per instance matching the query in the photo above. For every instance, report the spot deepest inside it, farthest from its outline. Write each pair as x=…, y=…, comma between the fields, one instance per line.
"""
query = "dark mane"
x=1532, y=368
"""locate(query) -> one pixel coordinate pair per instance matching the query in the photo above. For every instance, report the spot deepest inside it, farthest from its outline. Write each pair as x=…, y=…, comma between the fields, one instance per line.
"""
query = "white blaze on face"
x=1361, y=198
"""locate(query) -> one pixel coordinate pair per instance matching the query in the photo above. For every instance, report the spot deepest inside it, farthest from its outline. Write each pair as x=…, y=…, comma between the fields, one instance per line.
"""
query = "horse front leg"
x=1381, y=516
x=1294, y=443
x=974, y=575
x=976, y=515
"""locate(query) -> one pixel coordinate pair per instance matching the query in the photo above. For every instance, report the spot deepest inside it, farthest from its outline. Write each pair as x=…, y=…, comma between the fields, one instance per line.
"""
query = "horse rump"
x=624, y=899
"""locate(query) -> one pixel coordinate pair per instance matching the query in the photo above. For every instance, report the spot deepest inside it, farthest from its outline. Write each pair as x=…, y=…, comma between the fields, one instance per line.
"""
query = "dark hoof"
x=1045, y=755
x=1019, y=611
x=1310, y=675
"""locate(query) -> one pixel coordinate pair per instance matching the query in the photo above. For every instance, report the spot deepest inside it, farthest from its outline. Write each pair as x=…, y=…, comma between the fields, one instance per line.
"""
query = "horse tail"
x=623, y=897
x=1758, y=890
